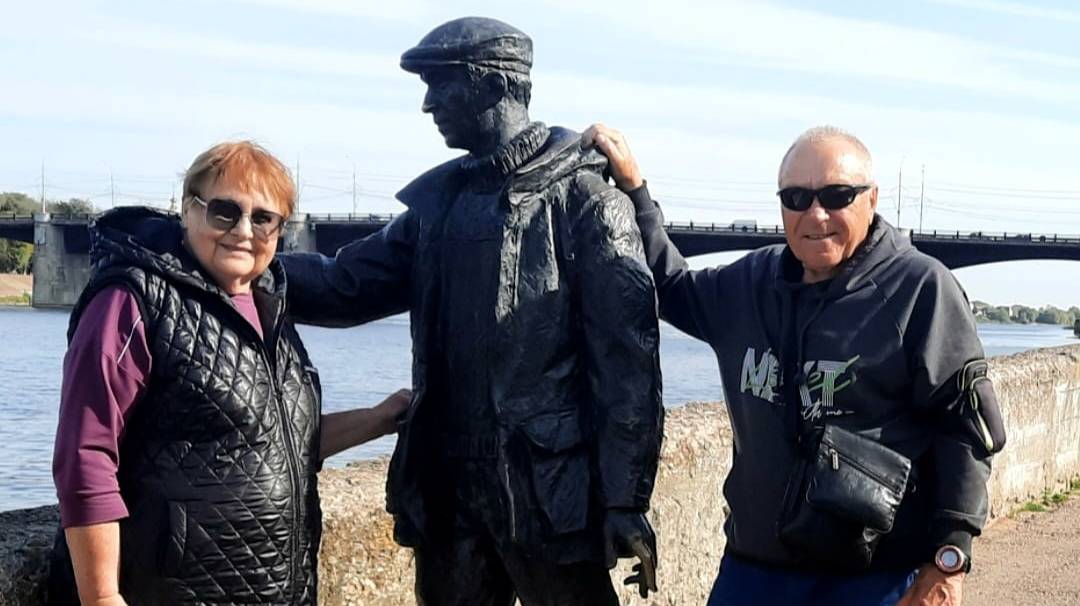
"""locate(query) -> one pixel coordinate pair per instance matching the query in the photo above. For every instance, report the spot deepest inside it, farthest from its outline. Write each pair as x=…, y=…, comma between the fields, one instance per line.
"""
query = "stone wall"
x=360, y=565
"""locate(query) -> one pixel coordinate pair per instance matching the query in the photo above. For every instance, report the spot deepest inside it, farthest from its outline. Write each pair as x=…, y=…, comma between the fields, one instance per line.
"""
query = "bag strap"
x=804, y=433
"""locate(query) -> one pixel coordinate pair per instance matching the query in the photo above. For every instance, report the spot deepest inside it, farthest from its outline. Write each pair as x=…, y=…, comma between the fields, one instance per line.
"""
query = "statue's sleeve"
x=366, y=280
x=618, y=308
x=690, y=300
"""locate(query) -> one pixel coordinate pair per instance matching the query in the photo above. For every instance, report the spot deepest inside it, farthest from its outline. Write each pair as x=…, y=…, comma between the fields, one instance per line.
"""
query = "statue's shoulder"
x=563, y=160
x=431, y=189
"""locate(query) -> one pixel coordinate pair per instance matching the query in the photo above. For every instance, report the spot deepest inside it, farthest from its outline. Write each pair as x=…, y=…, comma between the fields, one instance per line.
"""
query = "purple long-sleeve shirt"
x=106, y=370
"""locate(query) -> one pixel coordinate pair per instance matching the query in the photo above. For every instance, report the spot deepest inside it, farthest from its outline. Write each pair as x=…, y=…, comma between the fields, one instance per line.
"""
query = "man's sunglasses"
x=223, y=215
x=831, y=197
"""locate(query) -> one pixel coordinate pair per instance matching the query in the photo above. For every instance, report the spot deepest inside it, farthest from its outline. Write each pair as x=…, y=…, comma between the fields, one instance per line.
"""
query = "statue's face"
x=456, y=103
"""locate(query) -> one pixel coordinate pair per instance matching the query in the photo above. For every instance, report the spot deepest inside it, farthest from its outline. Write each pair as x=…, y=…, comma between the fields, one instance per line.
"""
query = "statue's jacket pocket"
x=560, y=469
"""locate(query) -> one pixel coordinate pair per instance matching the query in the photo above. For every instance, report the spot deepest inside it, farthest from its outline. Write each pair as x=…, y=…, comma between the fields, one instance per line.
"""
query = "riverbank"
x=15, y=289
x=15, y=285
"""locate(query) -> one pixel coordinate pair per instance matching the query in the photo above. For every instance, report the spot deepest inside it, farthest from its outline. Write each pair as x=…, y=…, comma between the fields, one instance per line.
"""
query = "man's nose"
x=428, y=105
x=817, y=210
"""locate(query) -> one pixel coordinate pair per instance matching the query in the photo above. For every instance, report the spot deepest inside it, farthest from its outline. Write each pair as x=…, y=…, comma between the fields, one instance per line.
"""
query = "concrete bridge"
x=62, y=243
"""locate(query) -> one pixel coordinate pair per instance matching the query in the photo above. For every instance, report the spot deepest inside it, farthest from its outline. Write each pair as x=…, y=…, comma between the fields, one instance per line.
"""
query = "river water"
x=358, y=368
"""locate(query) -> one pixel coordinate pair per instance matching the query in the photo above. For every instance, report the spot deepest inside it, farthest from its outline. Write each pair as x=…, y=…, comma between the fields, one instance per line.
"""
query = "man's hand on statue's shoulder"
x=628, y=534
x=612, y=143
x=933, y=587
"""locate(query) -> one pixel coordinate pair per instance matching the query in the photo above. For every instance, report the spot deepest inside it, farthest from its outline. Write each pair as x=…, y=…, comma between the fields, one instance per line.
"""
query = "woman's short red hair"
x=244, y=165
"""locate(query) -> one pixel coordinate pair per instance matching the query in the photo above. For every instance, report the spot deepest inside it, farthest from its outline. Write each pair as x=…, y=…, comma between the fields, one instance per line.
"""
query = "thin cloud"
x=1014, y=9
x=280, y=57
x=398, y=10
x=769, y=37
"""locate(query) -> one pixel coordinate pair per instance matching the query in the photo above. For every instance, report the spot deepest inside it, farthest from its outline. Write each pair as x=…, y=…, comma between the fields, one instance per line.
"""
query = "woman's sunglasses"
x=831, y=197
x=223, y=215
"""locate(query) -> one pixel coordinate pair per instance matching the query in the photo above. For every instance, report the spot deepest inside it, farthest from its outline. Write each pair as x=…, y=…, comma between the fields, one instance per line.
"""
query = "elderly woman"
x=190, y=430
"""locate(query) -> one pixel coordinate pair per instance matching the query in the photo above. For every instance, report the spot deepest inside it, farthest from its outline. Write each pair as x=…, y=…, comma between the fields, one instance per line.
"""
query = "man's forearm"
x=961, y=503
x=95, y=557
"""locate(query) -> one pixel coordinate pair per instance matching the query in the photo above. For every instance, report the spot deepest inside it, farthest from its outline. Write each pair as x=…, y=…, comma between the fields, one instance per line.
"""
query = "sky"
x=971, y=108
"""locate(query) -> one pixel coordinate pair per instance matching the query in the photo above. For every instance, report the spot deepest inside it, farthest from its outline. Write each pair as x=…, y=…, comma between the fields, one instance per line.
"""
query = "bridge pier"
x=59, y=277
x=299, y=235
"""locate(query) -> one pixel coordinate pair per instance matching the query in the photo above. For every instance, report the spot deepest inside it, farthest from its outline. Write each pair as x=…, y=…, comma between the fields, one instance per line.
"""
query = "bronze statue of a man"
x=527, y=459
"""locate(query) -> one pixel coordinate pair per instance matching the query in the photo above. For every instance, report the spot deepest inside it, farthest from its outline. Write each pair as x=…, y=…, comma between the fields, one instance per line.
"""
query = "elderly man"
x=863, y=420
x=527, y=461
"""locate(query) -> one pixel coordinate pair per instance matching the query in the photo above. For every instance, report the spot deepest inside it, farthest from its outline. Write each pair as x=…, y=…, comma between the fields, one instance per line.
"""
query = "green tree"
x=1049, y=315
x=15, y=256
x=74, y=206
x=997, y=314
x=1026, y=315
x=18, y=203
x=1074, y=315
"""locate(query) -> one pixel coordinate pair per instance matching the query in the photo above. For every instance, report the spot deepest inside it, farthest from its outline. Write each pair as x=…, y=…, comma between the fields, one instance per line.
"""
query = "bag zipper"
x=835, y=456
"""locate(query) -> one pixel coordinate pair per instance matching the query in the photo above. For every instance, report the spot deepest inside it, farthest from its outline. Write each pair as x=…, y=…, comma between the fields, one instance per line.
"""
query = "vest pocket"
x=311, y=377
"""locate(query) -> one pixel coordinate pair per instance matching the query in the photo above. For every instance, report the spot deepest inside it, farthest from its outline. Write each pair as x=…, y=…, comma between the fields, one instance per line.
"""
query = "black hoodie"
x=879, y=346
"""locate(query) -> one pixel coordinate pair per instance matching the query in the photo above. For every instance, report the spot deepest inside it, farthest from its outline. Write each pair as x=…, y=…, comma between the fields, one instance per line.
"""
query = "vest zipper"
x=290, y=454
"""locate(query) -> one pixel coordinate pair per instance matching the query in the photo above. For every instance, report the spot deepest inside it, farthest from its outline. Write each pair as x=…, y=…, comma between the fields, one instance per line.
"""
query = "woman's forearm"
x=95, y=556
x=343, y=430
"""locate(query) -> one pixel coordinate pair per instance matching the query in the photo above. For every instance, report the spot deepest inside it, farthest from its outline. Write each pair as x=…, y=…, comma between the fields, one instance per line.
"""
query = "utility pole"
x=112, y=191
x=297, y=209
x=899, y=194
x=354, y=188
x=43, y=209
x=922, y=195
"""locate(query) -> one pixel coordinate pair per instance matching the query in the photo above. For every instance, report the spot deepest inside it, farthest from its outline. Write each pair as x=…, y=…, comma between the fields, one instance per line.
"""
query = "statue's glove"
x=627, y=534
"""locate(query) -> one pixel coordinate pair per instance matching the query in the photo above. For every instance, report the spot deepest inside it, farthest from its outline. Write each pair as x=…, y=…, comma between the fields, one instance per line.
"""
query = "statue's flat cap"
x=477, y=41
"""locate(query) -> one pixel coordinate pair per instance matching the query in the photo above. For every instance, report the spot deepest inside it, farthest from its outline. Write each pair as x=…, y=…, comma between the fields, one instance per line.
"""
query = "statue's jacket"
x=574, y=375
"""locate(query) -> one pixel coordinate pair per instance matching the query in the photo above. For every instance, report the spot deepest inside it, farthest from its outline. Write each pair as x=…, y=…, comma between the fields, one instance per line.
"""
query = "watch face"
x=949, y=559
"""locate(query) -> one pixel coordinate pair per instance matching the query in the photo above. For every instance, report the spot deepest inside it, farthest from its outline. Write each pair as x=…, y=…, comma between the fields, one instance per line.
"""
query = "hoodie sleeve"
x=366, y=280
x=940, y=340
x=690, y=300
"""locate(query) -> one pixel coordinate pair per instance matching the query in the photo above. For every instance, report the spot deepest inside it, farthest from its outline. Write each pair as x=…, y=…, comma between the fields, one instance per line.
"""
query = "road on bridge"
x=1028, y=559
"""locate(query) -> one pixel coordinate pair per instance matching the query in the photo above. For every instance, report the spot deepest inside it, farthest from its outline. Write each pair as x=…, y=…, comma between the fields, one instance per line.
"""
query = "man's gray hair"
x=826, y=132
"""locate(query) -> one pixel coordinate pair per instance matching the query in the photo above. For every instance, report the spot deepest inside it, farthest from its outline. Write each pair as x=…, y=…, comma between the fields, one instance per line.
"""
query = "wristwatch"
x=950, y=559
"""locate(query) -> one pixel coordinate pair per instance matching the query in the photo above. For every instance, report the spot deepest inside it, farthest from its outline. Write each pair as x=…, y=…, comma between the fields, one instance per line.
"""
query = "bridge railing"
x=1019, y=238
x=350, y=218
x=734, y=228
x=82, y=217
x=73, y=217
x=13, y=216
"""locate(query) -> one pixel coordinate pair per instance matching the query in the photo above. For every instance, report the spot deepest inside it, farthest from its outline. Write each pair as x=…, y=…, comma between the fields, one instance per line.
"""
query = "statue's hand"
x=611, y=143
x=627, y=533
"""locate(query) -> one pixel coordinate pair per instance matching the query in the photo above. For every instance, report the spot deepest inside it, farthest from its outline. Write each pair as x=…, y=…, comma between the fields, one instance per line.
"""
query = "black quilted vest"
x=218, y=460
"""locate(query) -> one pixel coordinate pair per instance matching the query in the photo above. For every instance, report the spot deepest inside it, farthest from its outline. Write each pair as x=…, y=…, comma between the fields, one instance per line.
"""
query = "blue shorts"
x=741, y=583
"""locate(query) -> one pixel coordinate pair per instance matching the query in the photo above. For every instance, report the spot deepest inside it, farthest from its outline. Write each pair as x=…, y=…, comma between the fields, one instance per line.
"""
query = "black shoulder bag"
x=842, y=495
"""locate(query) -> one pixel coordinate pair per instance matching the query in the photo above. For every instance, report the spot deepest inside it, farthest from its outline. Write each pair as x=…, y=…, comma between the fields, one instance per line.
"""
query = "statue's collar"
x=494, y=168
x=558, y=155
